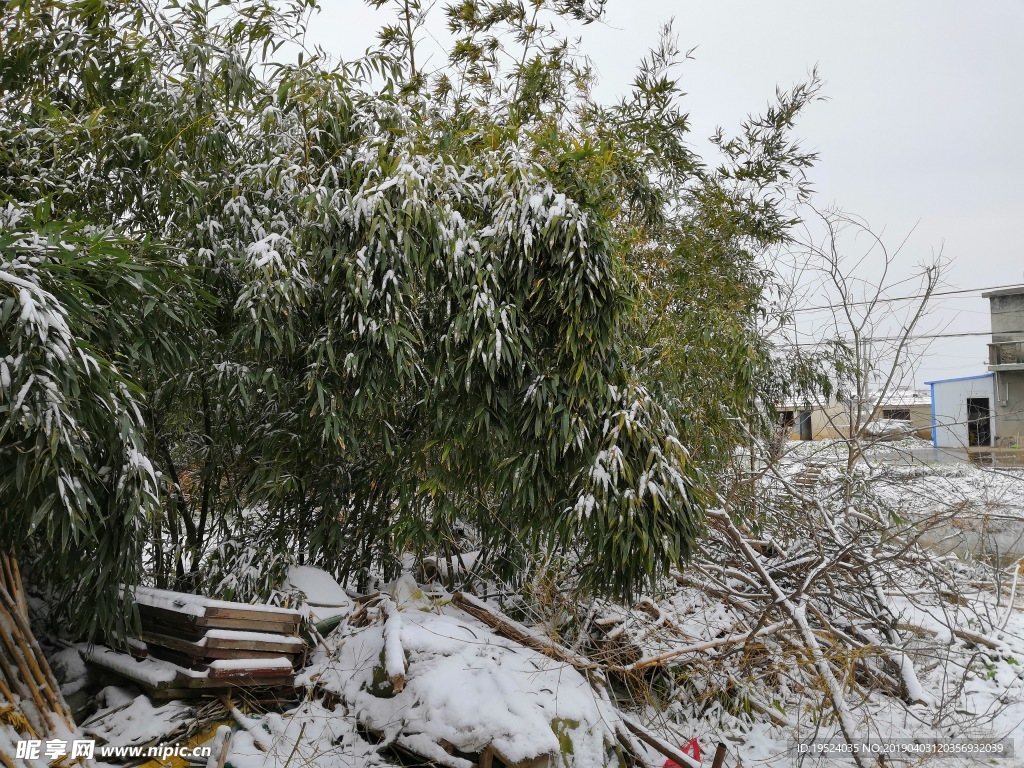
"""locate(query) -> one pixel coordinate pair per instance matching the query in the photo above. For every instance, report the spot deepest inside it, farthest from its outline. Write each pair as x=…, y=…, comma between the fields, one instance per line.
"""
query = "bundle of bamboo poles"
x=32, y=703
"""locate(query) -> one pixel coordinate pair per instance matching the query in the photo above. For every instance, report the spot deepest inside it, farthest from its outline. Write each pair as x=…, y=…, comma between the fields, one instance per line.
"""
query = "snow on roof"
x=1013, y=290
x=903, y=397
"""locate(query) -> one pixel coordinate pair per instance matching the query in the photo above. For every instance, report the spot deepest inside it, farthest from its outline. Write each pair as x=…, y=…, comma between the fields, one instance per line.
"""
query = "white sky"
x=923, y=125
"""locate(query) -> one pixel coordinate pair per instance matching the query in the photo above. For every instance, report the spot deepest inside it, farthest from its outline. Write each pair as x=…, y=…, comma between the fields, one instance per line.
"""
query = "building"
x=1006, y=363
x=962, y=415
x=910, y=408
x=900, y=413
x=804, y=420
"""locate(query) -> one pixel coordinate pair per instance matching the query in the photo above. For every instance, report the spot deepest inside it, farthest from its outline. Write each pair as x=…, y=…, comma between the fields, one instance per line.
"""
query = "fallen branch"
x=667, y=750
x=513, y=630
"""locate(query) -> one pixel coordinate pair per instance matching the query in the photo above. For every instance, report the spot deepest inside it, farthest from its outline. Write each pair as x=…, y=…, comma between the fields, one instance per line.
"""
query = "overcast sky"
x=923, y=126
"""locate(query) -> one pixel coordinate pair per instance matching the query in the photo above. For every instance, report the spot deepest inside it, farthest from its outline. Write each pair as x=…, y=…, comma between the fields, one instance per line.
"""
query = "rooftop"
x=1011, y=291
x=904, y=397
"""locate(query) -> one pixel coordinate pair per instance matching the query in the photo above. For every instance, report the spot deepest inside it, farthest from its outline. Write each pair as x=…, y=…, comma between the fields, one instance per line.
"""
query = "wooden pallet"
x=195, y=612
x=158, y=676
x=190, y=644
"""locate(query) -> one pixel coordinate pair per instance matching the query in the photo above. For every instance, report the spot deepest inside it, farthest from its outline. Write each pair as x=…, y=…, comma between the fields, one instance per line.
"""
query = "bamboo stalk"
x=34, y=661
x=226, y=745
x=16, y=678
x=4, y=690
x=18, y=585
x=38, y=662
x=6, y=575
x=8, y=763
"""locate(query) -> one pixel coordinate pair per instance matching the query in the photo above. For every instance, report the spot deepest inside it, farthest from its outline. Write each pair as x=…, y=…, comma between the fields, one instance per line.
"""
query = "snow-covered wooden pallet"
x=190, y=616
x=157, y=676
x=227, y=644
x=189, y=644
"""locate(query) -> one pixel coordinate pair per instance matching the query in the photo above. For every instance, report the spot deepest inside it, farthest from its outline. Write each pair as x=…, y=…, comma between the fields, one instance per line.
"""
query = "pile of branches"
x=800, y=594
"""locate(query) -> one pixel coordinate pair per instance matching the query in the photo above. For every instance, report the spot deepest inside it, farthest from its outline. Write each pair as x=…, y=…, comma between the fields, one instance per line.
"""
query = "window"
x=897, y=414
x=787, y=419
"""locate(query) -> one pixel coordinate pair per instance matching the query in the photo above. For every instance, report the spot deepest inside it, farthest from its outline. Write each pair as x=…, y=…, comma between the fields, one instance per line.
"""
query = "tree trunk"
x=31, y=704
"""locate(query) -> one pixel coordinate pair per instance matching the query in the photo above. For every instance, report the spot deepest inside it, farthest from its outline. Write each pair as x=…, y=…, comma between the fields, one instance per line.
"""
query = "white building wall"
x=949, y=408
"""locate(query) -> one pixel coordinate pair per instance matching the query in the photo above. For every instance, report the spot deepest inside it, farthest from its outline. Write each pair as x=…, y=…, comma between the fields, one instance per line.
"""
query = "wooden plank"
x=125, y=666
x=178, y=644
x=231, y=643
x=194, y=627
x=205, y=682
x=245, y=681
x=166, y=615
x=261, y=690
x=253, y=613
x=254, y=672
x=167, y=680
x=215, y=616
x=270, y=627
x=189, y=633
x=186, y=661
x=223, y=647
x=198, y=605
x=238, y=653
x=183, y=660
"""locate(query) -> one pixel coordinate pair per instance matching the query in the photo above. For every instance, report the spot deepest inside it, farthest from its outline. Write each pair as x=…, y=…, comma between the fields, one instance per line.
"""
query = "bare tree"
x=851, y=300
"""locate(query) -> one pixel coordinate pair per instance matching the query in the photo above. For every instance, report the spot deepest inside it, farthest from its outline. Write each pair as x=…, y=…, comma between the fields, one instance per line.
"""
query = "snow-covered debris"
x=126, y=719
x=70, y=670
x=311, y=735
x=466, y=687
x=318, y=586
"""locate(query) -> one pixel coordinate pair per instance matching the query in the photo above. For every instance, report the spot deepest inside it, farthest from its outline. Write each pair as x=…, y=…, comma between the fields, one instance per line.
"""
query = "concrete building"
x=962, y=415
x=902, y=412
x=909, y=406
x=1006, y=362
x=804, y=420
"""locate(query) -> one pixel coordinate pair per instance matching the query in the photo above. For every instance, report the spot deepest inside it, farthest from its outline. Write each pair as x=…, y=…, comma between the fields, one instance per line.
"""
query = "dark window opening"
x=979, y=425
x=787, y=419
x=896, y=414
x=805, y=426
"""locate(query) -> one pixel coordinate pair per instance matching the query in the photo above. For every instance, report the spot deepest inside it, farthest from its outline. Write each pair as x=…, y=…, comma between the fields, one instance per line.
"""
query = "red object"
x=692, y=749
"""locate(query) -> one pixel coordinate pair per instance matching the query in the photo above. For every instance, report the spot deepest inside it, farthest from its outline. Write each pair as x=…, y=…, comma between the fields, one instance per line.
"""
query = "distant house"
x=1006, y=364
x=903, y=406
x=962, y=415
x=900, y=413
x=804, y=420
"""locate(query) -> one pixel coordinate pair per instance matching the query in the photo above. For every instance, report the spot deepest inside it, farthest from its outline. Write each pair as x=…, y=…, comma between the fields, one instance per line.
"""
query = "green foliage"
x=347, y=310
x=75, y=303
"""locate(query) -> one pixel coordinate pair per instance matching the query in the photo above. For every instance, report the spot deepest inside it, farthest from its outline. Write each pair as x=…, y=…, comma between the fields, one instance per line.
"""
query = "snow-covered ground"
x=467, y=687
x=976, y=508
x=420, y=676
